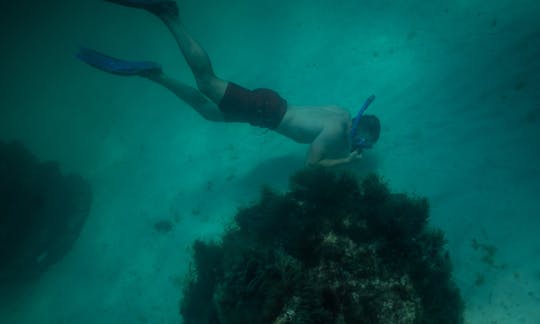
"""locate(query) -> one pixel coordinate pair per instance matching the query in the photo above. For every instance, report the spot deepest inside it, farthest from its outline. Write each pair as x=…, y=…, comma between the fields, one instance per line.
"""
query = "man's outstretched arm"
x=335, y=162
x=316, y=157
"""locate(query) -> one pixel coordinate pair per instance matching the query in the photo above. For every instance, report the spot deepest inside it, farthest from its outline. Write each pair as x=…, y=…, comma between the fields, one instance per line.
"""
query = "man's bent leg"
x=197, y=59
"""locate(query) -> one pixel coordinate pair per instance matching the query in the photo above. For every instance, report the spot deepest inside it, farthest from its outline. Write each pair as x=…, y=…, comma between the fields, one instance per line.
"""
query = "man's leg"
x=189, y=95
x=153, y=72
x=197, y=59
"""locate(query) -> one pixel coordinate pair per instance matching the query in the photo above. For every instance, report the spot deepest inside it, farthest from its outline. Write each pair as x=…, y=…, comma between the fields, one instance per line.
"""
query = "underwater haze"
x=458, y=95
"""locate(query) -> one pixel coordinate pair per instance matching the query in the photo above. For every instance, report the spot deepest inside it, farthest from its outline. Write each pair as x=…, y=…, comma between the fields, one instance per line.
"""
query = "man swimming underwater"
x=335, y=138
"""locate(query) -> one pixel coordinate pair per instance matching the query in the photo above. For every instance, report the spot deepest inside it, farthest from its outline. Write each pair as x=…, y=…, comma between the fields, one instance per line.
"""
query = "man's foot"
x=117, y=66
x=161, y=8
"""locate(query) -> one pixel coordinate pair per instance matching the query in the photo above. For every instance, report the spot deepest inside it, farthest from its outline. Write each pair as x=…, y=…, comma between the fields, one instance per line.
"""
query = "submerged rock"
x=41, y=213
x=328, y=251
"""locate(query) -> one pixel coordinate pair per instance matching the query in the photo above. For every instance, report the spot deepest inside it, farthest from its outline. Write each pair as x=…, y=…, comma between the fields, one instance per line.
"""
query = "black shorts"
x=259, y=107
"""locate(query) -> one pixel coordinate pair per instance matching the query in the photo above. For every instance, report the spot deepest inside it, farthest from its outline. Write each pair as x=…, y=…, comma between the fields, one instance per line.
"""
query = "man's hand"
x=354, y=156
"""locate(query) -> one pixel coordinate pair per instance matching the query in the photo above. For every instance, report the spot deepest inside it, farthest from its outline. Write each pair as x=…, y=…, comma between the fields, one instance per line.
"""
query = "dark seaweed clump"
x=41, y=213
x=328, y=251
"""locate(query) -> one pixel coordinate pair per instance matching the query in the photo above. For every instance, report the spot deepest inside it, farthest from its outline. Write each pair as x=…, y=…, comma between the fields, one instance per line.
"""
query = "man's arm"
x=316, y=156
x=334, y=162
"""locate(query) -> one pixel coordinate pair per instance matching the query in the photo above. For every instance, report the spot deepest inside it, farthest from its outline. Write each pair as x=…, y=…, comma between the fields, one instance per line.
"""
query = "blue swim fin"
x=117, y=66
x=157, y=7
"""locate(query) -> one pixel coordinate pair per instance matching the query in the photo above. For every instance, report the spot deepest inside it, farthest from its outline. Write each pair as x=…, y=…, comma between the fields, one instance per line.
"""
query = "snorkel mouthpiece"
x=362, y=142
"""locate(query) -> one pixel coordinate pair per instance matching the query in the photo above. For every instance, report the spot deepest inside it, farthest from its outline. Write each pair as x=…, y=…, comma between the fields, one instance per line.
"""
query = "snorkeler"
x=333, y=136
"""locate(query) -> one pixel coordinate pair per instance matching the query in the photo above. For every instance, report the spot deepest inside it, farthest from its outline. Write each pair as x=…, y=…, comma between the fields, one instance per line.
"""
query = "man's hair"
x=371, y=126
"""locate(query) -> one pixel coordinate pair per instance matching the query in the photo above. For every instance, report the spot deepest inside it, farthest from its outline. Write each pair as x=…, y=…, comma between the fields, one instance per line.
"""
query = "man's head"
x=367, y=132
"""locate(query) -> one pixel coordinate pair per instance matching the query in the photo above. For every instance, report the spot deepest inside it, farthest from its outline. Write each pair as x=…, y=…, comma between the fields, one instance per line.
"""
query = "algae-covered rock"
x=41, y=213
x=330, y=250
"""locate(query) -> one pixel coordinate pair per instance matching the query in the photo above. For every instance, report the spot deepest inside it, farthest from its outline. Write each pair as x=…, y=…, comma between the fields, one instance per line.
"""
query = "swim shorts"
x=259, y=107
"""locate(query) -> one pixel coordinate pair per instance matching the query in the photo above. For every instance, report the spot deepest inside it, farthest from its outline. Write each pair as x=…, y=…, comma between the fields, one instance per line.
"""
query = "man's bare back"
x=326, y=128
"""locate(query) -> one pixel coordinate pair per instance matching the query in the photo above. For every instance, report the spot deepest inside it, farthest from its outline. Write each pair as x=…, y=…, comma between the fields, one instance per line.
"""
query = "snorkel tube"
x=360, y=143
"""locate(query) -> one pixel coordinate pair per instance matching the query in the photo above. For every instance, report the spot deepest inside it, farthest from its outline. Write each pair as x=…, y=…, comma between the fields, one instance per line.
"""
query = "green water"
x=457, y=85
